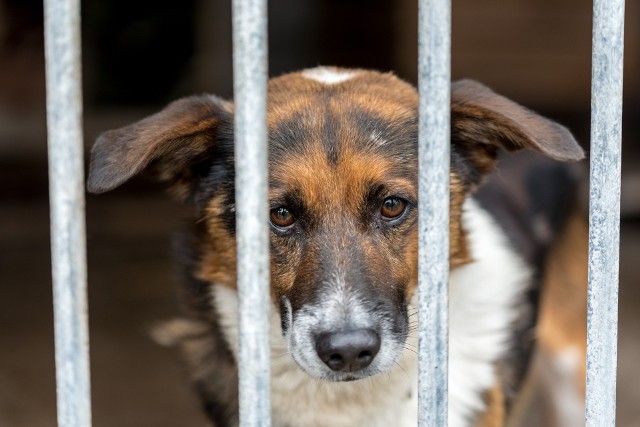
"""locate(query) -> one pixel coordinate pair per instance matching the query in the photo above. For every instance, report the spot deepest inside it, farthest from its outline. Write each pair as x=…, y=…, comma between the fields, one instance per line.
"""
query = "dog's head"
x=343, y=197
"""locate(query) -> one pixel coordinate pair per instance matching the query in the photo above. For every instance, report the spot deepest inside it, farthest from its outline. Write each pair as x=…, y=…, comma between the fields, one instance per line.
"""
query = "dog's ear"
x=483, y=121
x=176, y=141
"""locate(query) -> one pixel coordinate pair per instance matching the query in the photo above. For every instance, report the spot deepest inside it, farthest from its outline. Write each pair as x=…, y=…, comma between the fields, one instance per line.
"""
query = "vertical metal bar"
x=434, y=80
x=604, y=212
x=66, y=188
x=252, y=211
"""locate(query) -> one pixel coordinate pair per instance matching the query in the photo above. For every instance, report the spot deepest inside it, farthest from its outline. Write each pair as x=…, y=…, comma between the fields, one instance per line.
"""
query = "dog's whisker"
x=411, y=350
x=403, y=369
x=286, y=353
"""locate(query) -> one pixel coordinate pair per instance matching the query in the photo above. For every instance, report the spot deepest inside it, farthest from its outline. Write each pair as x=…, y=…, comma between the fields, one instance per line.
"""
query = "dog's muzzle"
x=344, y=340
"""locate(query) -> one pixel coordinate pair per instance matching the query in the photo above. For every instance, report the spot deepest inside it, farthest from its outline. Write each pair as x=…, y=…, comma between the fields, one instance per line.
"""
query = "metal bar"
x=66, y=189
x=434, y=80
x=252, y=211
x=604, y=212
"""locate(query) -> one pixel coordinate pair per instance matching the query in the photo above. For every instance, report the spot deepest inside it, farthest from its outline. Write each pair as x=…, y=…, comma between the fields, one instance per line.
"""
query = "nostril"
x=365, y=355
x=335, y=362
x=335, y=358
x=348, y=350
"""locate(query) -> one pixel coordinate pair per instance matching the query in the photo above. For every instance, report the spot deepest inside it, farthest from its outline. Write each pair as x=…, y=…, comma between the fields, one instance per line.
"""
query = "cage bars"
x=66, y=193
x=252, y=212
x=604, y=212
x=434, y=79
x=64, y=119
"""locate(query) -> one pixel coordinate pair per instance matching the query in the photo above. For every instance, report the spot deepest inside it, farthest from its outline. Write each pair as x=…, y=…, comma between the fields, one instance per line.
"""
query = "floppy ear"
x=483, y=121
x=176, y=140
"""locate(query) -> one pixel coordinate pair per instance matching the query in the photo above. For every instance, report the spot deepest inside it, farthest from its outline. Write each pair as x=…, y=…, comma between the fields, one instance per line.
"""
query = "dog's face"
x=343, y=198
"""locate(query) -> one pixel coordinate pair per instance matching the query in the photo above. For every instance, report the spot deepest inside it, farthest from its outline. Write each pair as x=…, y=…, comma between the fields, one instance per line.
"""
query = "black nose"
x=348, y=351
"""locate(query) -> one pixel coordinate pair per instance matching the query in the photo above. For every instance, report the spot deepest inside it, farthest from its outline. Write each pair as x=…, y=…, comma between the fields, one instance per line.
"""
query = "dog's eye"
x=281, y=217
x=392, y=207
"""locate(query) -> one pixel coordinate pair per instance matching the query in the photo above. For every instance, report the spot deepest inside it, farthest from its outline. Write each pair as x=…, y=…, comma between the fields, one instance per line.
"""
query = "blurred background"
x=139, y=55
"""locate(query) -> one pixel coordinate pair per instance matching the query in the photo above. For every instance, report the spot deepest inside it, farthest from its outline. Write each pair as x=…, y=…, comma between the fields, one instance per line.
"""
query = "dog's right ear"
x=174, y=140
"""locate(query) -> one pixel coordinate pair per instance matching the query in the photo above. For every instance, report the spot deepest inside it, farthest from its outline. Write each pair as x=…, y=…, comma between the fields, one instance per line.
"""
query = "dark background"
x=139, y=55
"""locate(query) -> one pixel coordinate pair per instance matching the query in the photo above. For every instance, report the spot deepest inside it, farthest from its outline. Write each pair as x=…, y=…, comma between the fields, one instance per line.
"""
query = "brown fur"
x=563, y=313
x=561, y=326
x=218, y=262
x=494, y=416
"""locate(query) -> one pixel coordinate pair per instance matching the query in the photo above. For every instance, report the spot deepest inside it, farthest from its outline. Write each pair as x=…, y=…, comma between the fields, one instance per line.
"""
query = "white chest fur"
x=483, y=300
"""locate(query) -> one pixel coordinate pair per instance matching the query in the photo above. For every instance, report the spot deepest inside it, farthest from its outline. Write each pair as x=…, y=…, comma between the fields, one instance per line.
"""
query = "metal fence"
x=66, y=189
x=604, y=212
x=64, y=117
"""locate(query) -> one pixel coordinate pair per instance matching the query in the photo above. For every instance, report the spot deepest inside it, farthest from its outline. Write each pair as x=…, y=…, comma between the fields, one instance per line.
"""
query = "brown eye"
x=392, y=207
x=281, y=217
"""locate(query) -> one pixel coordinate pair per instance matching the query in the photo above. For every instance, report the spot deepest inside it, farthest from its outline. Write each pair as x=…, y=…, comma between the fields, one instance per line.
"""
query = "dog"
x=343, y=197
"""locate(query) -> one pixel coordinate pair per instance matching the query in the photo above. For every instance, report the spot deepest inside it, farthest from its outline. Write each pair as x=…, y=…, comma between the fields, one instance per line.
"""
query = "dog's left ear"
x=176, y=142
x=483, y=121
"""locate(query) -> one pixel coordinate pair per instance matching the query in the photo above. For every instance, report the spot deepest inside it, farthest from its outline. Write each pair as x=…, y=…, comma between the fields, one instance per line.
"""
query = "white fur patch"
x=483, y=297
x=340, y=308
x=328, y=75
x=561, y=375
x=376, y=138
x=298, y=400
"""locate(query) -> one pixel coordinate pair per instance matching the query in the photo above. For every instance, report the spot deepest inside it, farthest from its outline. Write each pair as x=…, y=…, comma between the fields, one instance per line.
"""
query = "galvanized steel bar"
x=66, y=189
x=434, y=80
x=604, y=212
x=252, y=211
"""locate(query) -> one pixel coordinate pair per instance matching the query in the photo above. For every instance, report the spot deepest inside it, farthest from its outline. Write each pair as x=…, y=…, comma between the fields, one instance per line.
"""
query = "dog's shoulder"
x=531, y=198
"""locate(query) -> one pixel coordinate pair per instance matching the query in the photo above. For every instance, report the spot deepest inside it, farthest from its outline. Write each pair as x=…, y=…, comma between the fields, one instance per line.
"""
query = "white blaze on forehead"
x=376, y=138
x=328, y=75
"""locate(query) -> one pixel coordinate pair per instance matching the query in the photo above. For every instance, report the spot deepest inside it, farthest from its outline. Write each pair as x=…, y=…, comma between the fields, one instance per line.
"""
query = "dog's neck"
x=483, y=304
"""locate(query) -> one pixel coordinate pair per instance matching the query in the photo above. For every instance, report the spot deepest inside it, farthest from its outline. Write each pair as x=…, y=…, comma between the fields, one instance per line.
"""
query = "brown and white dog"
x=343, y=218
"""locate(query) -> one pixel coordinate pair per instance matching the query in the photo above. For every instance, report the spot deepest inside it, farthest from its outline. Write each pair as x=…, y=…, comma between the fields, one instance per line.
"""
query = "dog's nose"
x=348, y=351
